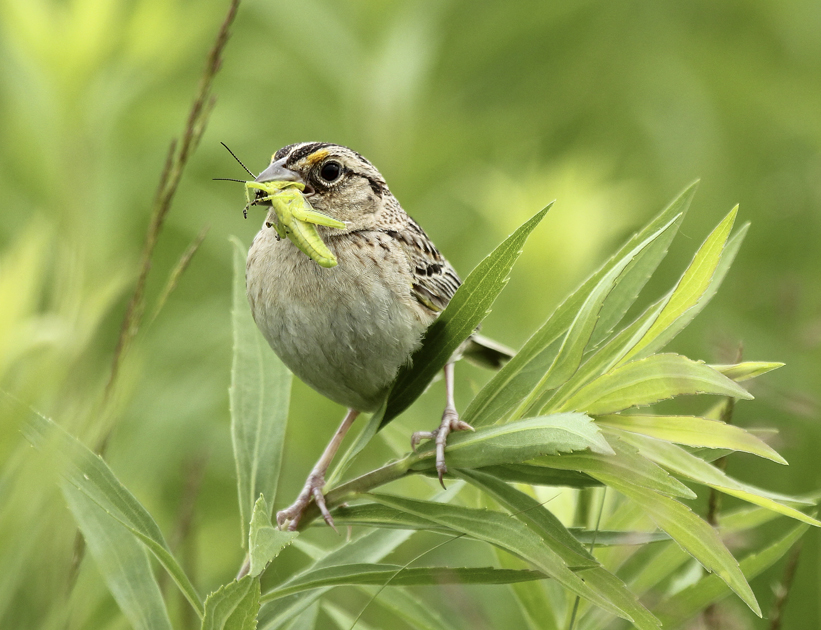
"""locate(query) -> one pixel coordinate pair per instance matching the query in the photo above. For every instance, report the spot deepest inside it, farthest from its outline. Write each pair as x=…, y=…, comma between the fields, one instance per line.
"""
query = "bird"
x=347, y=330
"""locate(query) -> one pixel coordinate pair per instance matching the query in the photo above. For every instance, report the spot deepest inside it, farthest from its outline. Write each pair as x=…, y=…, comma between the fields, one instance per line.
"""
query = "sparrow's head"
x=338, y=181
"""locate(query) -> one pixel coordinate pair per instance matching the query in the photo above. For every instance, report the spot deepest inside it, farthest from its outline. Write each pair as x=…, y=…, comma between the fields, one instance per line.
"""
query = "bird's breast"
x=345, y=330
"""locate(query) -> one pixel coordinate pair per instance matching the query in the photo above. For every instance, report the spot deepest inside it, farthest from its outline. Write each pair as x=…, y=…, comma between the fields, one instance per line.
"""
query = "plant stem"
x=175, y=163
x=782, y=591
x=364, y=483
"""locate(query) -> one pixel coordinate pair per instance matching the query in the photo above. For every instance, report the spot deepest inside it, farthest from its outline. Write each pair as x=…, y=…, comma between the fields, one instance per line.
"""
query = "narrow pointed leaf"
x=539, y=519
x=260, y=392
x=508, y=534
x=622, y=345
x=377, y=515
x=522, y=373
x=342, y=618
x=416, y=612
x=578, y=335
x=306, y=620
x=650, y=380
x=749, y=516
x=538, y=475
x=693, y=534
x=599, y=361
x=122, y=562
x=535, y=604
x=91, y=475
x=693, y=431
x=746, y=370
x=690, y=601
x=653, y=571
x=533, y=514
x=681, y=462
x=264, y=540
x=397, y=575
x=233, y=606
x=627, y=463
x=469, y=306
x=692, y=289
x=519, y=441
x=371, y=547
x=638, y=272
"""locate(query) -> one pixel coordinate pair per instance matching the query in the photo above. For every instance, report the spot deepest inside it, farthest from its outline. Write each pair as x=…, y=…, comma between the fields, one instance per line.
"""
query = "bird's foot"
x=312, y=489
x=450, y=422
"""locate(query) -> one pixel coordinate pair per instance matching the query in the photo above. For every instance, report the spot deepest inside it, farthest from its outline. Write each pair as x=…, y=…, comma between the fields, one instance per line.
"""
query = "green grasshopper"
x=295, y=218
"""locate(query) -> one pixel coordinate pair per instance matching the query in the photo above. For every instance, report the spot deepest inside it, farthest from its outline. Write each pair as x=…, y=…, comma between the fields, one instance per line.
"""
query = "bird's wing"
x=434, y=280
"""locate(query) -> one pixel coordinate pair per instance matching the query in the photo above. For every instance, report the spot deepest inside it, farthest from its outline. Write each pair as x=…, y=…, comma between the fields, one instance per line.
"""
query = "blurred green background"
x=477, y=114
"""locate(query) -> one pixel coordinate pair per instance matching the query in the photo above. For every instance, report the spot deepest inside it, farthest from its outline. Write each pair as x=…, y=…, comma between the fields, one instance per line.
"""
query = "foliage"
x=476, y=114
x=587, y=392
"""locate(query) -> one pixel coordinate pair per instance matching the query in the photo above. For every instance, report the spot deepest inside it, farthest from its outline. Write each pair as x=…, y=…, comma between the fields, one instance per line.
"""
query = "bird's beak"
x=277, y=172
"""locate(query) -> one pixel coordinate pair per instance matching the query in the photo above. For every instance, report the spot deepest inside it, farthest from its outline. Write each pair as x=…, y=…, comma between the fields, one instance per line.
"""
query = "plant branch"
x=175, y=163
x=362, y=484
x=782, y=591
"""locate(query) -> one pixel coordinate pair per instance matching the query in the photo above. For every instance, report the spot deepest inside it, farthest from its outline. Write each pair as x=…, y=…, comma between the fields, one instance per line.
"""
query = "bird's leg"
x=316, y=480
x=450, y=422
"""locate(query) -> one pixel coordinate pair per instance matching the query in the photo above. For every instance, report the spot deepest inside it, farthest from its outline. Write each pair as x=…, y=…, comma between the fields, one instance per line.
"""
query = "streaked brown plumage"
x=347, y=330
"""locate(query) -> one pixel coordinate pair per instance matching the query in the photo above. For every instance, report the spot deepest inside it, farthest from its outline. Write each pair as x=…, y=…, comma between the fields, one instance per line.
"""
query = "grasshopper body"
x=296, y=220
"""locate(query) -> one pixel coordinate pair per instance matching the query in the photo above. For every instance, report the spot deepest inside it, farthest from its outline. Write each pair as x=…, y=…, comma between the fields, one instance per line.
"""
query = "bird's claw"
x=312, y=489
x=450, y=423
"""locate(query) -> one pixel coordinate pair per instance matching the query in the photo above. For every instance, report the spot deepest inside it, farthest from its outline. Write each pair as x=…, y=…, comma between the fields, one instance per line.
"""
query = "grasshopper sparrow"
x=346, y=330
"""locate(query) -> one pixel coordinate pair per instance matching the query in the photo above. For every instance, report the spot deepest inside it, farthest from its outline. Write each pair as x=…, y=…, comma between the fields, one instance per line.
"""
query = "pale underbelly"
x=344, y=331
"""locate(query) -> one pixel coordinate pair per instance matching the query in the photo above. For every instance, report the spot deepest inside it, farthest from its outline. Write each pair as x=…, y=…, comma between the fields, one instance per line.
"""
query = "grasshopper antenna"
x=227, y=179
x=238, y=160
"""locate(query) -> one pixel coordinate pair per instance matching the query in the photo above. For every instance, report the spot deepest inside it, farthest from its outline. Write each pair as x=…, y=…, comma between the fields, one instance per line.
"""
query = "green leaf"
x=260, y=392
x=469, y=306
x=371, y=547
x=520, y=376
x=681, y=462
x=647, y=381
x=533, y=514
x=233, y=606
x=578, y=335
x=506, y=533
x=693, y=431
x=640, y=270
x=622, y=345
x=122, y=562
x=691, y=292
x=91, y=475
x=342, y=618
x=306, y=620
x=618, y=346
x=653, y=571
x=397, y=575
x=264, y=540
x=377, y=515
x=539, y=519
x=417, y=613
x=599, y=361
x=693, y=534
x=627, y=463
x=746, y=370
x=519, y=441
x=695, y=598
x=536, y=606
x=536, y=475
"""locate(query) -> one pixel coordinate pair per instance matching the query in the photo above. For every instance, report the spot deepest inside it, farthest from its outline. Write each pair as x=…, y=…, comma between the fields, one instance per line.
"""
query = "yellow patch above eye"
x=317, y=156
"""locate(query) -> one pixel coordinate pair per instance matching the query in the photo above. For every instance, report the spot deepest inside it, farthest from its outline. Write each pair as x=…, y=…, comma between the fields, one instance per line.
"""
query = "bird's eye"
x=331, y=171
